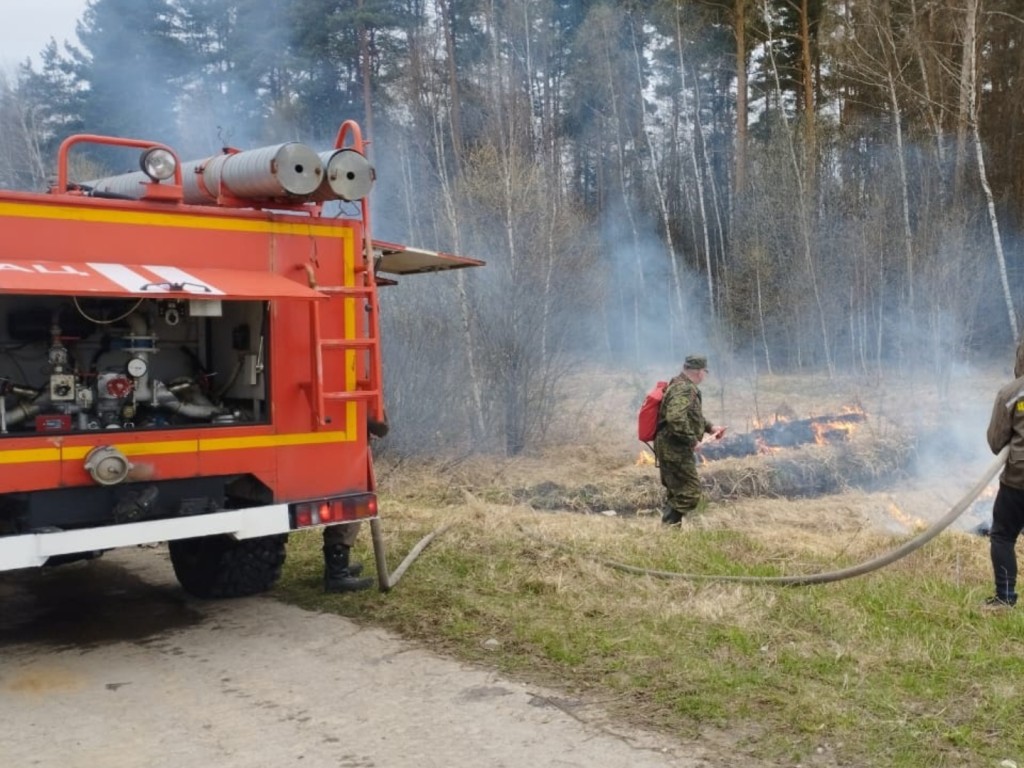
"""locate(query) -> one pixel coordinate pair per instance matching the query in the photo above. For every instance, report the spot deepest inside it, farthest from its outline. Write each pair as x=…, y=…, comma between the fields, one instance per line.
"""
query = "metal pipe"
x=379, y=555
x=23, y=411
x=282, y=172
x=165, y=398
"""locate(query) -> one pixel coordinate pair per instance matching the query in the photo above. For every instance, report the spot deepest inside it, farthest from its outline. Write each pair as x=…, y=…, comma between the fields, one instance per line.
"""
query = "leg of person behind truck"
x=341, y=575
x=683, y=494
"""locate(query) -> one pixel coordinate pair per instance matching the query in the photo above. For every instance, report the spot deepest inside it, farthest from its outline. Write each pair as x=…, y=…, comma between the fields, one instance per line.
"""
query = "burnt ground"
x=807, y=471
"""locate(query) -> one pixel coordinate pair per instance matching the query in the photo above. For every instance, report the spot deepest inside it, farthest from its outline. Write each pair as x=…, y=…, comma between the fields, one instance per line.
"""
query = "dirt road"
x=109, y=664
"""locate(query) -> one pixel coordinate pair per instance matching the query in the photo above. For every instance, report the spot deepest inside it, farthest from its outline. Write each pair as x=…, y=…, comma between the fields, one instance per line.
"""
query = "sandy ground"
x=109, y=664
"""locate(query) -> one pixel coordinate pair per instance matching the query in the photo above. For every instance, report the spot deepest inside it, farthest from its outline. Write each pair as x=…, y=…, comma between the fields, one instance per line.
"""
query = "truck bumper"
x=34, y=549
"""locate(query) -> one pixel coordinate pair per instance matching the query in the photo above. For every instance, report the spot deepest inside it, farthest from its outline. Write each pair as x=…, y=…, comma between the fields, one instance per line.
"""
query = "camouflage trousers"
x=341, y=534
x=678, y=467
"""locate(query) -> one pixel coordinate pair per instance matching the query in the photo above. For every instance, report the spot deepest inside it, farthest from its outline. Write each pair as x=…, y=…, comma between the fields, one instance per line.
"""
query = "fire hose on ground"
x=844, y=573
x=385, y=580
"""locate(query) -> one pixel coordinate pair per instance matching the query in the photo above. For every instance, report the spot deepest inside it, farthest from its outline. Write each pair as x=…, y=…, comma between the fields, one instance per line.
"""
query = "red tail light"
x=340, y=509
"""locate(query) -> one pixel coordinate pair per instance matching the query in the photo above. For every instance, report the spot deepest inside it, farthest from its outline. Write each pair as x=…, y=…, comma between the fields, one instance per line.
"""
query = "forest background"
x=830, y=187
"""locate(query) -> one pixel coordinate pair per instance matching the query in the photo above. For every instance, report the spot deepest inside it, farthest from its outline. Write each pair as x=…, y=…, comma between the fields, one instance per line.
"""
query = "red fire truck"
x=190, y=354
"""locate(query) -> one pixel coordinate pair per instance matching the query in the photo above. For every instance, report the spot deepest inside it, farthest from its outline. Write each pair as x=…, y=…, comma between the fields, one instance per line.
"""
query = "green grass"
x=897, y=668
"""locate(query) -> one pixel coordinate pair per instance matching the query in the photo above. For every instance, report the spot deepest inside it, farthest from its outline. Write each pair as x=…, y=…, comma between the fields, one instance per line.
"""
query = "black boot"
x=670, y=517
x=339, y=575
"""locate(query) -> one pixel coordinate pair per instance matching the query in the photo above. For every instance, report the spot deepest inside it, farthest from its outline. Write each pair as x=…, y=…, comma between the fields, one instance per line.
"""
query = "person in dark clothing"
x=1006, y=427
x=340, y=574
x=681, y=427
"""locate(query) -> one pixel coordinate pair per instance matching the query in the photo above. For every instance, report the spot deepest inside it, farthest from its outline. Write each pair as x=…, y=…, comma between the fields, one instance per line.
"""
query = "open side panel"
x=118, y=280
x=75, y=364
x=96, y=346
x=405, y=260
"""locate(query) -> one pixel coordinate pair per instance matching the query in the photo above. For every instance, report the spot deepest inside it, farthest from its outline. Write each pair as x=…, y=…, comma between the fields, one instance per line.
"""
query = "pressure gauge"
x=137, y=367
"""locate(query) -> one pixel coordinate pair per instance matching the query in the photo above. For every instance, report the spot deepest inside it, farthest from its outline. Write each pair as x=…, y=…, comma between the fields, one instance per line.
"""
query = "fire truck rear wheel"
x=221, y=567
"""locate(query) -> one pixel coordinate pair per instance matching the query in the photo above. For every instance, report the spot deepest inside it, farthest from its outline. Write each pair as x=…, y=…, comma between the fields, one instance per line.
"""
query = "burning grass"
x=812, y=471
x=597, y=484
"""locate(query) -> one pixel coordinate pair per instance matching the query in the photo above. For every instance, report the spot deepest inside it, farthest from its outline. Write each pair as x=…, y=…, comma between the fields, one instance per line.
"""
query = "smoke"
x=867, y=269
x=653, y=314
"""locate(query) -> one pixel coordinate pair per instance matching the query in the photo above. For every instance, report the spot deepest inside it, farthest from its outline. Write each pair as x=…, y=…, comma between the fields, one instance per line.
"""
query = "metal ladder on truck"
x=369, y=389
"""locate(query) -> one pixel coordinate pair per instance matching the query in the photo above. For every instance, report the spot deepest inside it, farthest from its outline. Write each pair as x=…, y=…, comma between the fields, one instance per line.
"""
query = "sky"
x=26, y=26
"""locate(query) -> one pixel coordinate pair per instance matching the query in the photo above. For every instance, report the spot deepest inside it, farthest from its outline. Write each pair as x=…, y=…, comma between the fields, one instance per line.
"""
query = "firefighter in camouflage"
x=681, y=427
x=340, y=573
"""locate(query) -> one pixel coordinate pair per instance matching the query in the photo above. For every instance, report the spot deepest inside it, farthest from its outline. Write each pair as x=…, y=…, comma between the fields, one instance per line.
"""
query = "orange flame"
x=832, y=431
x=645, y=457
x=771, y=421
x=902, y=517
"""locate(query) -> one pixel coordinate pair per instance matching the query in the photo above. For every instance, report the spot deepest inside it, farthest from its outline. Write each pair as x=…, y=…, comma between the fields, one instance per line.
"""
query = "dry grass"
x=897, y=668
x=814, y=674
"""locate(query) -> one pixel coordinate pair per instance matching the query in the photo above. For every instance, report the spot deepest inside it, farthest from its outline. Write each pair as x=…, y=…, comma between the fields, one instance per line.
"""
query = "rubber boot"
x=339, y=575
x=670, y=517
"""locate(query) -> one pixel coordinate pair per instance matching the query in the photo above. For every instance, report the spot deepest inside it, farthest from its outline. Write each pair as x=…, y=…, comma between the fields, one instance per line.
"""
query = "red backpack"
x=647, y=419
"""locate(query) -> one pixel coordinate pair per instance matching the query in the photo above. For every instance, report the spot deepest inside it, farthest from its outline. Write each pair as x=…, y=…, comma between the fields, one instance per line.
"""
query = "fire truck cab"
x=190, y=354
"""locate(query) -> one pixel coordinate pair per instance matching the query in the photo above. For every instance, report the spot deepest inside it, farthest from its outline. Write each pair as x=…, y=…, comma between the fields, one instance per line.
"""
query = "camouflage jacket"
x=1007, y=427
x=681, y=417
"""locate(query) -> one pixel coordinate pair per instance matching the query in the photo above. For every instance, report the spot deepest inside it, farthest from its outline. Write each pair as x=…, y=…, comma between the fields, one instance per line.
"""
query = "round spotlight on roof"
x=158, y=163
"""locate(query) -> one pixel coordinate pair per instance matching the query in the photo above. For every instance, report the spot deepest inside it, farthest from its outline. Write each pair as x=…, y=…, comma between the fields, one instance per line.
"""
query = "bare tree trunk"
x=802, y=204
x=663, y=209
x=971, y=43
x=967, y=90
x=807, y=78
x=446, y=15
x=931, y=112
x=908, y=236
x=531, y=91
x=543, y=146
x=739, y=22
x=715, y=207
x=639, y=289
x=411, y=214
x=22, y=149
x=366, y=64
x=760, y=318
x=698, y=176
x=518, y=371
x=450, y=208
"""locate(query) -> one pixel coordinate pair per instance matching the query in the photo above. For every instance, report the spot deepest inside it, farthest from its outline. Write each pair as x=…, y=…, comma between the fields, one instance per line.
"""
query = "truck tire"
x=222, y=567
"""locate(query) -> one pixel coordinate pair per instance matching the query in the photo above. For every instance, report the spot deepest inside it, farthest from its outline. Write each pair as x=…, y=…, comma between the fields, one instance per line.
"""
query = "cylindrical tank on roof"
x=289, y=172
x=348, y=176
x=281, y=172
x=126, y=185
